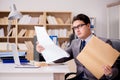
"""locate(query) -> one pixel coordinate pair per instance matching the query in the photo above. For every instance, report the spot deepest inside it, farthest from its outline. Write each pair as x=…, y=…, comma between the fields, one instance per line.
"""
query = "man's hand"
x=107, y=70
x=39, y=48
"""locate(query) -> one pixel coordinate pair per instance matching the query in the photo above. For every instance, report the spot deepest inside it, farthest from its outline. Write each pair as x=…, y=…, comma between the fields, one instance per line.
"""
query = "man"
x=81, y=27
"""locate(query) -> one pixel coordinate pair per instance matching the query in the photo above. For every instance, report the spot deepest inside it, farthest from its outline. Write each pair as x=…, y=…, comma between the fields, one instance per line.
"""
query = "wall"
x=95, y=8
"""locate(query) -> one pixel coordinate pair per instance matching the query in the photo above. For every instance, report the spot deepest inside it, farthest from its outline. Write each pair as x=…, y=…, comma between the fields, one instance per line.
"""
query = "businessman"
x=81, y=27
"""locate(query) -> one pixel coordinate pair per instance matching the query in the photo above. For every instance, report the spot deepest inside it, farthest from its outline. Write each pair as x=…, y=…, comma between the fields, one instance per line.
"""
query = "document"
x=96, y=54
x=52, y=52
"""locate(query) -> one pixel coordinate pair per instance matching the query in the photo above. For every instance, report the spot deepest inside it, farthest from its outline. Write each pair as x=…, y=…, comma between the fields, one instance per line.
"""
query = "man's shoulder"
x=106, y=40
x=76, y=40
x=103, y=39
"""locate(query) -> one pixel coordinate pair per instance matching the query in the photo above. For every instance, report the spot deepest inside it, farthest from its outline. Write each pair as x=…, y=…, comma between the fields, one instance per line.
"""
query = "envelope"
x=96, y=54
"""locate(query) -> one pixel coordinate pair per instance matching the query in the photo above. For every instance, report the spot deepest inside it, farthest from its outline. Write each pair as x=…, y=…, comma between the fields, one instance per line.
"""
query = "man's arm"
x=69, y=51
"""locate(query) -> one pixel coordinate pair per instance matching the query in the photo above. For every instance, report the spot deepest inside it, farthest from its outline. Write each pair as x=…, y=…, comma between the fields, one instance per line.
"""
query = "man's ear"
x=88, y=25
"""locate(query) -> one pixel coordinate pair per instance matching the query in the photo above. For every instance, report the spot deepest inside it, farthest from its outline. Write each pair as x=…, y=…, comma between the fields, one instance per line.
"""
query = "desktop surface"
x=9, y=72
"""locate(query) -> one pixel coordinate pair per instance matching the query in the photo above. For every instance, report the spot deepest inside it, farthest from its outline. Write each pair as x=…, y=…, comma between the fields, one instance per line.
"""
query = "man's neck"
x=87, y=38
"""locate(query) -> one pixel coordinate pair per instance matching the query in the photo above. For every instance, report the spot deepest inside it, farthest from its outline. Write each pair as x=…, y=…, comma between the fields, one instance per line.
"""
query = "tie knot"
x=83, y=42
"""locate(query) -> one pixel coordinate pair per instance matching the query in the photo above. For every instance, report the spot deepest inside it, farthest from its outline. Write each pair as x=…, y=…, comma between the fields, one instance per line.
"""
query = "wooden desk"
x=53, y=72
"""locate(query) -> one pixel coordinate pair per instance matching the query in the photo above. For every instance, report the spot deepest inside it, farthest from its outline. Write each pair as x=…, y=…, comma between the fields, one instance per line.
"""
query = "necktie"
x=82, y=45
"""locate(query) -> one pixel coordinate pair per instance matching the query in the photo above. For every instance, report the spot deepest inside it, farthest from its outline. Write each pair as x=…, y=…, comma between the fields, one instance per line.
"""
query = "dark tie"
x=82, y=45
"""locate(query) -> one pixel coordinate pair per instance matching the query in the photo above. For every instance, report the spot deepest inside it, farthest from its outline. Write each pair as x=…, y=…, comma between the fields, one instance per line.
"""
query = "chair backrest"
x=116, y=44
x=72, y=37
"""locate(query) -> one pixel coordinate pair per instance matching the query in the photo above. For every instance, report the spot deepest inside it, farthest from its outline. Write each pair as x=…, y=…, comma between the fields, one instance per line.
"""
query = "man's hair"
x=82, y=17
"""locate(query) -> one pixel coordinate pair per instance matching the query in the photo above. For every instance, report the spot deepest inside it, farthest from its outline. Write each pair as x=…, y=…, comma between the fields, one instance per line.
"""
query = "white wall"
x=94, y=8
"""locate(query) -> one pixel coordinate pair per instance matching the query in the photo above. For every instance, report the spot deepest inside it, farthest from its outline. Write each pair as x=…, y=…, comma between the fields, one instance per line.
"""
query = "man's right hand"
x=39, y=48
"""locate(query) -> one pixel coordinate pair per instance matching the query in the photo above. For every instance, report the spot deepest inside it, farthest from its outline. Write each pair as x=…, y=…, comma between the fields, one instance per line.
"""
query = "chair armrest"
x=69, y=74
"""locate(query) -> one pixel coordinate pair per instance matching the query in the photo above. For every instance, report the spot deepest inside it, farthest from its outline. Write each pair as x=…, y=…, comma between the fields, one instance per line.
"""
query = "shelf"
x=30, y=24
x=24, y=37
x=58, y=24
x=7, y=37
x=11, y=50
x=5, y=24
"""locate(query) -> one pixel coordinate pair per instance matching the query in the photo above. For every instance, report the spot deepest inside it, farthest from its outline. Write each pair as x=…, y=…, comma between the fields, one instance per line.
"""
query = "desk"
x=52, y=72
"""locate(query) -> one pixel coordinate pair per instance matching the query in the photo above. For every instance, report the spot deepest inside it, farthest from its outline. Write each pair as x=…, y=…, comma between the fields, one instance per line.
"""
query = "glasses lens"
x=78, y=26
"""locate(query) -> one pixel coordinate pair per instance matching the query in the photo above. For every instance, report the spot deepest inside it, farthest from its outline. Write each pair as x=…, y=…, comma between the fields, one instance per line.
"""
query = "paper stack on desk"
x=52, y=52
x=97, y=54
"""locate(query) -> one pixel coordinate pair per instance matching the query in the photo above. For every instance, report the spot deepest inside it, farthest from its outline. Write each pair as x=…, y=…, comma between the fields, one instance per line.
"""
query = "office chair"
x=71, y=37
x=116, y=45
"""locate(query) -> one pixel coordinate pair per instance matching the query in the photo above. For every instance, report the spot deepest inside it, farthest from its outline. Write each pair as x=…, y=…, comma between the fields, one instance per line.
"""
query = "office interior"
x=102, y=11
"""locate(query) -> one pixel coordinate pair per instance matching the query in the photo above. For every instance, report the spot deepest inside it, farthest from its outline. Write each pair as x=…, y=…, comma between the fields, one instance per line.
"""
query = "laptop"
x=17, y=60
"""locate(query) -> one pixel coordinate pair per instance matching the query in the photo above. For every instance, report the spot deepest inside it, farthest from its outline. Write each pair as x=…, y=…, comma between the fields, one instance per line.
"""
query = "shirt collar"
x=88, y=38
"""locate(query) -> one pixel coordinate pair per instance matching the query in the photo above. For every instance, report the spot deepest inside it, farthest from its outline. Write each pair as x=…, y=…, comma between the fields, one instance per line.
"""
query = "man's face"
x=81, y=29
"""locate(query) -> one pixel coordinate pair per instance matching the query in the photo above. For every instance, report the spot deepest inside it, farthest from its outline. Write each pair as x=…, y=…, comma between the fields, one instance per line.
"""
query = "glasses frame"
x=78, y=26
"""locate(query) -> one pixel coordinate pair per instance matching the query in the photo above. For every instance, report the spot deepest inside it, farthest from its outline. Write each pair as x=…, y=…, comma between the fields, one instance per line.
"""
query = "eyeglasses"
x=78, y=26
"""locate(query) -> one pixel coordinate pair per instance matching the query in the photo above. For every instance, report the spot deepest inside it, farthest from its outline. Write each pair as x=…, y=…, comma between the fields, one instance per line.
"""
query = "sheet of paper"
x=97, y=54
x=52, y=52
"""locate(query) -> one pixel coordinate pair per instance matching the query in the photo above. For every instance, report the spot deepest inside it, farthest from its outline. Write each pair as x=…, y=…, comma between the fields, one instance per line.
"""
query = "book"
x=22, y=46
x=49, y=20
x=2, y=34
x=10, y=32
x=14, y=32
x=59, y=21
x=30, y=33
x=22, y=32
x=34, y=20
x=30, y=47
x=25, y=19
x=54, y=20
x=68, y=21
x=41, y=19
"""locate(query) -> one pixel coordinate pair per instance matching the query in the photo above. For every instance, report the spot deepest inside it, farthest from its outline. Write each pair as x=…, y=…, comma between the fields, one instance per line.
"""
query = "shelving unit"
x=31, y=19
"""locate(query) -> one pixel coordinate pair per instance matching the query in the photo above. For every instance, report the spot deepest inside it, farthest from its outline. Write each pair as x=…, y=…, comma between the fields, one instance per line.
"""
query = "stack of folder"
x=7, y=57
